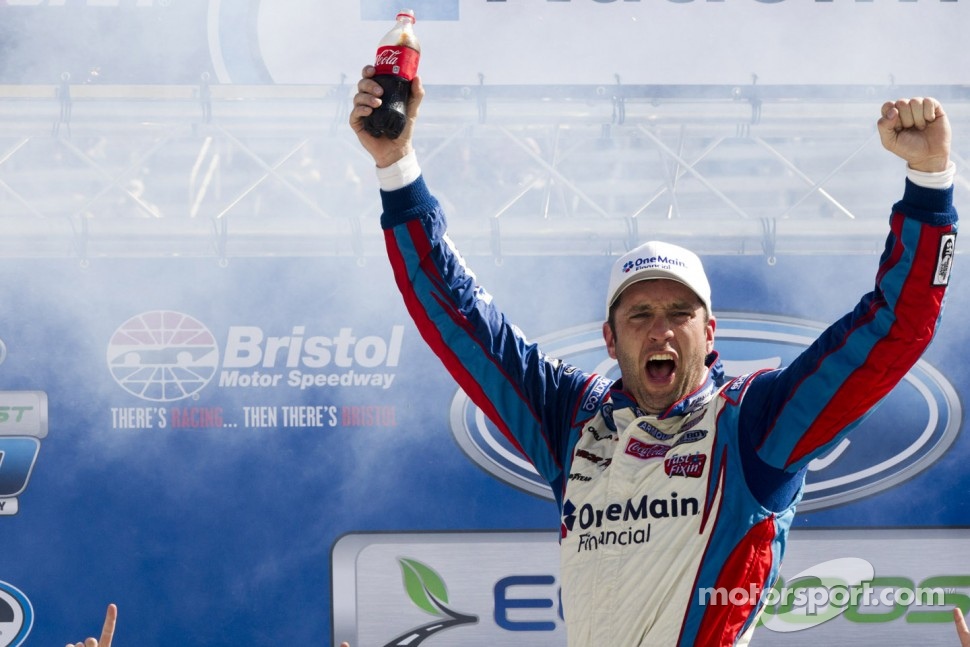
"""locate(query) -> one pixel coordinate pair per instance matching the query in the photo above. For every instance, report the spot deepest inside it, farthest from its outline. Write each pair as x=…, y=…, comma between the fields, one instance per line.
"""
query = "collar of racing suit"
x=688, y=404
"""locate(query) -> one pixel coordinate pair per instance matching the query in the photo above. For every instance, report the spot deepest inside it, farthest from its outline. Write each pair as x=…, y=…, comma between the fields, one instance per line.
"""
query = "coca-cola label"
x=645, y=450
x=397, y=60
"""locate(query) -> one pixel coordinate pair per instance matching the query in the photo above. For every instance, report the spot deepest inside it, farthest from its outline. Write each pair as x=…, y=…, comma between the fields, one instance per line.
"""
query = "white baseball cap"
x=658, y=260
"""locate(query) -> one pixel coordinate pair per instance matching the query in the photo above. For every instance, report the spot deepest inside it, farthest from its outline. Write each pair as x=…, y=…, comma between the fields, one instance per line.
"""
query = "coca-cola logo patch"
x=689, y=465
x=645, y=451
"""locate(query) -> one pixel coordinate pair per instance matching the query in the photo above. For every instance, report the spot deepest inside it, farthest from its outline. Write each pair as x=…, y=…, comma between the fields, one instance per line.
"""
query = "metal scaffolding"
x=229, y=171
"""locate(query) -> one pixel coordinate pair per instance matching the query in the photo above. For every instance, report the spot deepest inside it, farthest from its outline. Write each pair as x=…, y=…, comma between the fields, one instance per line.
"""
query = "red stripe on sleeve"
x=916, y=313
x=429, y=332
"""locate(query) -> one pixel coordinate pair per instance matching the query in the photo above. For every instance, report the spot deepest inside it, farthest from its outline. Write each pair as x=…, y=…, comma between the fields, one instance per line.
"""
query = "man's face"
x=660, y=337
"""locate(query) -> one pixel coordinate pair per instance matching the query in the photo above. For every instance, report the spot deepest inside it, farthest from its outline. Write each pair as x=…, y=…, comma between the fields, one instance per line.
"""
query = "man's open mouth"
x=660, y=366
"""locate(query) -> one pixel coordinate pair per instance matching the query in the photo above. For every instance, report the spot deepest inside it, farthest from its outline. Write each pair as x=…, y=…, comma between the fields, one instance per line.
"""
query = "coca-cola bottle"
x=397, y=63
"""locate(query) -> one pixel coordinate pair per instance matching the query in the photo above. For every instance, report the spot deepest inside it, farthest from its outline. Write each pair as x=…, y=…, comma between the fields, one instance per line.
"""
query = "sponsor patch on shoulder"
x=596, y=393
x=944, y=259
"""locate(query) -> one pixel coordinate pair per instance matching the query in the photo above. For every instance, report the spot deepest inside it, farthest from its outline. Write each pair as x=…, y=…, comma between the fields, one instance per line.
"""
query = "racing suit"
x=673, y=526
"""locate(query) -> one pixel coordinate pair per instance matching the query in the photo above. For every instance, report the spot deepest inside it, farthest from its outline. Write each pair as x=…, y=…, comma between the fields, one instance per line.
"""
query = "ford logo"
x=912, y=427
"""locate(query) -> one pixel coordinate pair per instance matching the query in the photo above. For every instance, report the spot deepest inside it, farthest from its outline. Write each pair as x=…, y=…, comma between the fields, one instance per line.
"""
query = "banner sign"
x=498, y=42
x=836, y=587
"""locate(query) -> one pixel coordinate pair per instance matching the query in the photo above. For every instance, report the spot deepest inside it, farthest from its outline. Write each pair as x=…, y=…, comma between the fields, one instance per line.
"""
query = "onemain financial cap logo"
x=650, y=262
x=908, y=432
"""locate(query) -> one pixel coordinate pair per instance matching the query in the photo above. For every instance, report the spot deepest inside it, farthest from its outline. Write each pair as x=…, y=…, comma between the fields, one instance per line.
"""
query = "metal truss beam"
x=149, y=171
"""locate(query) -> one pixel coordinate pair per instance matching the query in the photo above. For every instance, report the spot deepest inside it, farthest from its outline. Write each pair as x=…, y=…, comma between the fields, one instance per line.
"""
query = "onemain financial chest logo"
x=907, y=433
x=166, y=356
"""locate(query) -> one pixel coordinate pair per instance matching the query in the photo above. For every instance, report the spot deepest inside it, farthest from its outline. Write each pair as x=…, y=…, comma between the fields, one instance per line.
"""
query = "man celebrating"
x=670, y=482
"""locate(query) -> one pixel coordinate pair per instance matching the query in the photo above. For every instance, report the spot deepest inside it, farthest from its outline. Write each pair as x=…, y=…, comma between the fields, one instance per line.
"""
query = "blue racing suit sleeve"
x=795, y=414
x=536, y=401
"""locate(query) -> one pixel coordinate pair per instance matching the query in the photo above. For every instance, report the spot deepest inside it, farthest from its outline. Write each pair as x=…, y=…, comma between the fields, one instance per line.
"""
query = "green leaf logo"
x=425, y=587
x=428, y=592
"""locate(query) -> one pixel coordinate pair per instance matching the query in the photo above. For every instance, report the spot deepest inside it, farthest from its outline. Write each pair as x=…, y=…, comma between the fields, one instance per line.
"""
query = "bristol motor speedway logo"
x=166, y=356
x=162, y=356
x=908, y=432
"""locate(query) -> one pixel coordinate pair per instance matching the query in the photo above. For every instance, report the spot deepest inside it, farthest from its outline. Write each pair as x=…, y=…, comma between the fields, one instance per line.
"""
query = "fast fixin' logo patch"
x=688, y=465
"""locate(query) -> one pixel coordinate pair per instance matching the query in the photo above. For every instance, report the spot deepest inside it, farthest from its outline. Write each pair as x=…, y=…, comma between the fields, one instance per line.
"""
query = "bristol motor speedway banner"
x=266, y=453
x=502, y=42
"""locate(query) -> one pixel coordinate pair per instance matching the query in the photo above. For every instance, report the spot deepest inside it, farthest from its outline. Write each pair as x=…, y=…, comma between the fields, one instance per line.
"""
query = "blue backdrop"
x=208, y=511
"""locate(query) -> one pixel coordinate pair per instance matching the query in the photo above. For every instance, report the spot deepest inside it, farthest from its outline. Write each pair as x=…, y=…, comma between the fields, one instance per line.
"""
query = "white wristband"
x=399, y=174
x=941, y=180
